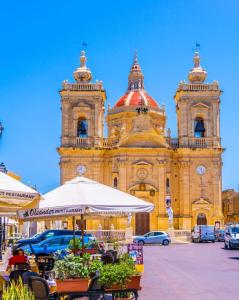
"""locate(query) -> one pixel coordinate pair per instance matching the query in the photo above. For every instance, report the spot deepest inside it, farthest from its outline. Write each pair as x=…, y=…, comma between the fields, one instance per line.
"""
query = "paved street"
x=190, y=271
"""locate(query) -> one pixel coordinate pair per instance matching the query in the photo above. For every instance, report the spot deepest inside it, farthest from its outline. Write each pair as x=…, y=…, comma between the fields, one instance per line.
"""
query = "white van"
x=203, y=233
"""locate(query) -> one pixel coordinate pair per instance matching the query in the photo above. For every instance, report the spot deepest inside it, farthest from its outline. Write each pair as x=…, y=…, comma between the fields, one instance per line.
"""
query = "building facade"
x=230, y=206
x=139, y=156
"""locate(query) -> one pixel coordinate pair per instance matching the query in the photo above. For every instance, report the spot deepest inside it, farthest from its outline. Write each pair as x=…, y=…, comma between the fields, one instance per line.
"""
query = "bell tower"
x=198, y=109
x=199, y=149
x=82, y=104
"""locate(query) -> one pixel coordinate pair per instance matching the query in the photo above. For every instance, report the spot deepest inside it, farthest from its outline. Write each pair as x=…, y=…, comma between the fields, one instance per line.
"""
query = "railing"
x=194, y=143
x=84, y=142
x=198, y=87
x=183, y=235
x=108, y=234
x=82, y=86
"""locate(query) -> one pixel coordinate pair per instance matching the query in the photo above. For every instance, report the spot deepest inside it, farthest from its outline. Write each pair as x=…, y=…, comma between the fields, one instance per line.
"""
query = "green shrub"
x=72, y=267
x=17, y=291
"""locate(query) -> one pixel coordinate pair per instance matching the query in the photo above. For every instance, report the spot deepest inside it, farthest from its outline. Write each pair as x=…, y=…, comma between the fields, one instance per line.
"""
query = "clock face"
x=201, y=170
x=81, y=169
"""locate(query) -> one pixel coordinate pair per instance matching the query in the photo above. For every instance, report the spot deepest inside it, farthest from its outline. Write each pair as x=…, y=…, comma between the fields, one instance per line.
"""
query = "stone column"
x=217, y=192
x=122, y=164
x=162, y=216
x=184, y=195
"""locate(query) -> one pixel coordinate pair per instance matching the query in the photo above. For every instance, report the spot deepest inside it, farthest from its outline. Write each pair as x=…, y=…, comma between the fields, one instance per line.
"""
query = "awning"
x=85, y=196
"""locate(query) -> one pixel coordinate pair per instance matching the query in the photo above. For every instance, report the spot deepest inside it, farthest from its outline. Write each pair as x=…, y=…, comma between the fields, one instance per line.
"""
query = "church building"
x=139, y=156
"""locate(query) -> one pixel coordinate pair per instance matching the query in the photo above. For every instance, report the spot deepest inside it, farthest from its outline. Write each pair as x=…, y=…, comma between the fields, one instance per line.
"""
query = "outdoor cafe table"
x=98, y=293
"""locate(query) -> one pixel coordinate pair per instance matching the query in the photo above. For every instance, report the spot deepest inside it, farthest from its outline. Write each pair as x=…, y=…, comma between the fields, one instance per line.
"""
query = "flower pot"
x=90, y=251
x=133, y=283
x=72, y=285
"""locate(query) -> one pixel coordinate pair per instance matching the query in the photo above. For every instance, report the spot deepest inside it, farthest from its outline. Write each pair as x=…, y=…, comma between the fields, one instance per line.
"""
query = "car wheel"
x=165, y=242
x=213, y=241
x=229, y=246
x=141, y=243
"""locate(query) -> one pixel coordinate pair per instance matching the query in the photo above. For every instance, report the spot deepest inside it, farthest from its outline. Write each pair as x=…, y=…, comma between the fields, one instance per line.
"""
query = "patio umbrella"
x=15, y=195
x=85, y=197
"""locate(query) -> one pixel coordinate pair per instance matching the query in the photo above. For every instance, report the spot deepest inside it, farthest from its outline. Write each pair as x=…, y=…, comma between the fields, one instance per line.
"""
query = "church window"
x=199, y=128
x=82, y=128
x=115, y=182
x=167, y=185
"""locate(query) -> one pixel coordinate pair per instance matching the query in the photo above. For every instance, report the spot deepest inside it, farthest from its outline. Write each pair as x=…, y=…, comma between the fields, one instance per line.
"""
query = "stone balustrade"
x=194, y=143
x=82, y=87
x=111, y=234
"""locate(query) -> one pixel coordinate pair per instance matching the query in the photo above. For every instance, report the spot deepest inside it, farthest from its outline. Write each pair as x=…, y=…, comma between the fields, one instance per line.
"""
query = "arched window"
x=167, y=186
x=82, y=128
x=199, y=128
x=115, y=182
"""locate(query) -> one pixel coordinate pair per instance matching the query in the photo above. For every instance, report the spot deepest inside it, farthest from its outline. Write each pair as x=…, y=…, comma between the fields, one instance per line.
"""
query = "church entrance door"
x=142, y=223
x=201, y=219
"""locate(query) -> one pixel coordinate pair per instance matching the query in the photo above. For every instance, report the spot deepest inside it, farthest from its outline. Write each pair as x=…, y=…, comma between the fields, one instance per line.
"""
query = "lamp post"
x=1, y=129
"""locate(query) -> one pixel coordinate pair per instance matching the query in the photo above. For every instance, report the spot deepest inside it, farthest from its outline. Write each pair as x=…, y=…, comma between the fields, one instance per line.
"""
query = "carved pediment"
x=200, y=105
x=201, y=201
x=142, y=163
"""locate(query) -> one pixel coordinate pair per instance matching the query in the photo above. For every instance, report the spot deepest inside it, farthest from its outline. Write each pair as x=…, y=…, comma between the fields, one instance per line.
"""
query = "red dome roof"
x=136, y=98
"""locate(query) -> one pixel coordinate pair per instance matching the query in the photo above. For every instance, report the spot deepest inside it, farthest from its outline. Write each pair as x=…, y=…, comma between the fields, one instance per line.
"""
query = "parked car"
x=37, y=238
x=52, y=245
x=203, y=233
x=231, y=236
x=153, y=237
x=219, y=235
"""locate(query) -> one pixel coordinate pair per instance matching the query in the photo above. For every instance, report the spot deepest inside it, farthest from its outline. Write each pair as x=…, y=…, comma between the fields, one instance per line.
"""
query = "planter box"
x=72, y=285
x=91, y=251
x=134, y=284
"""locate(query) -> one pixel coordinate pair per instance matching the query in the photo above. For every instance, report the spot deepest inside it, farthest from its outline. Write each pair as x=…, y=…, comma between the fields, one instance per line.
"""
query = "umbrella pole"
x=82, y=233
x=74, y=234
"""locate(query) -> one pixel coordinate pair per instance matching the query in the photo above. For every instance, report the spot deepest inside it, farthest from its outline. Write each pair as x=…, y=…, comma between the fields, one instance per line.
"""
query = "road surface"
x=190, y=272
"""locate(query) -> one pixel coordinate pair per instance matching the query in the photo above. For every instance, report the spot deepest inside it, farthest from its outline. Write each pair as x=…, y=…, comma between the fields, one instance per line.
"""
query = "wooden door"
x=142, y=223
x=201, y=219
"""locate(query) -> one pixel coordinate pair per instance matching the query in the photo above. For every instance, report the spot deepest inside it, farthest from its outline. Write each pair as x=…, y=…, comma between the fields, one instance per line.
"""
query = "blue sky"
x=40, y=47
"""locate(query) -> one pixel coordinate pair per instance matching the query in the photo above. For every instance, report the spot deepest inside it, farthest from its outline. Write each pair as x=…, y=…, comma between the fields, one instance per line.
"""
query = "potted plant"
x=123, y=295
x=75, y=246
x=120, y=276
x=72, y=273
x=16, y=291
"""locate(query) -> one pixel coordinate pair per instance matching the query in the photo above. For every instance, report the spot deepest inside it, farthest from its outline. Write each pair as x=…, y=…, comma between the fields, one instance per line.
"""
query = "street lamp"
x=1, y=129
x=3, y=168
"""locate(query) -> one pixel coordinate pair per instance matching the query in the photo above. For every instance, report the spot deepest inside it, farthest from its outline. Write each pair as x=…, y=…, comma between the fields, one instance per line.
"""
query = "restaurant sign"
x=17, y=195
x=37, y=213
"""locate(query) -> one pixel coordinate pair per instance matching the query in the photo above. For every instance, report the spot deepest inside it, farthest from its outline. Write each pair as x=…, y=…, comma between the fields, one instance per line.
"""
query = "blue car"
x=53, y=244
x=153, y=237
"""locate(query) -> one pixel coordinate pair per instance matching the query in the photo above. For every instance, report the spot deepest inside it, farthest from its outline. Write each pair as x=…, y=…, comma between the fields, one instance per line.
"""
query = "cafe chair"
x=40, y=288
x=22, y=266
x=45, y=263
x=26, y=276
x=16, y=275
x=107, y=258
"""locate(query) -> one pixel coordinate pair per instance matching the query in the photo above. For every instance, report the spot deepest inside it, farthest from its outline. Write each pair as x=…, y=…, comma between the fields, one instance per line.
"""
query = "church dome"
x=82, y=74
x=136, y=98
x=197, y=74
x=136, y=95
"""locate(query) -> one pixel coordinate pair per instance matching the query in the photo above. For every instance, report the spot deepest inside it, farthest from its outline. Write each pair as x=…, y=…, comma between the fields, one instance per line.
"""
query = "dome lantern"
x=82, y=74
x=197, y=74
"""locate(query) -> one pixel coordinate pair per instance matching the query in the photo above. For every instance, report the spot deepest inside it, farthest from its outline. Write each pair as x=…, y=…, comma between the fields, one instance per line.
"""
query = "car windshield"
x=235, y=229
x=35, y=235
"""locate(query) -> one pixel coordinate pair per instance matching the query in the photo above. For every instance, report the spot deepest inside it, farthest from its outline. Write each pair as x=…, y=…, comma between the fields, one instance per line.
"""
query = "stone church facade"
x=139, y=156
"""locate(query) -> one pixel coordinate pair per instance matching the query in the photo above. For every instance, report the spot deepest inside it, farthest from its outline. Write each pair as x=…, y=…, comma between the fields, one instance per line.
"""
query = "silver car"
x=231, y=236
x=153, y=237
